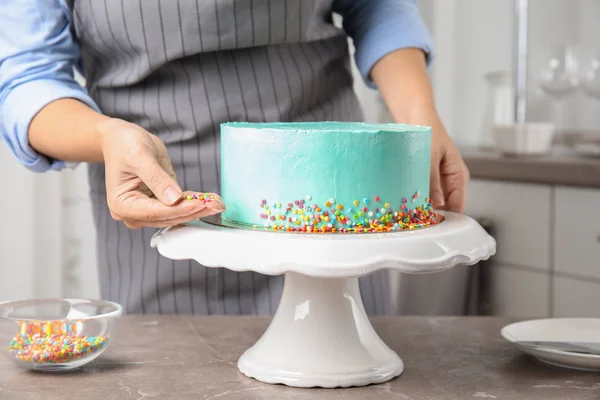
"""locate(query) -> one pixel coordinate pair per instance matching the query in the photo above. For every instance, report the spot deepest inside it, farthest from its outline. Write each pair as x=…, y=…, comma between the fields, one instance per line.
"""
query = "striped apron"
x=179, y=69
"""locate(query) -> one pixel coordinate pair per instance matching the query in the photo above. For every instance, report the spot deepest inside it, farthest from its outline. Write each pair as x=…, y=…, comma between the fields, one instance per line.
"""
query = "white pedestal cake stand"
x=320, y=334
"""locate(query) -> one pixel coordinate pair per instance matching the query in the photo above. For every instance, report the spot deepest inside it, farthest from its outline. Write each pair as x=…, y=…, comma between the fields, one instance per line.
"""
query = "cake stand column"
x=320, y=336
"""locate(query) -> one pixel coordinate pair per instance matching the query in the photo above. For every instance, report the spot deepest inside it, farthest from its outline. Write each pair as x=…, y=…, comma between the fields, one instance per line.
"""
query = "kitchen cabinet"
x=548, y=247
x=577, y=232
x=520, y=214
x=519, y=292
x=575, y=297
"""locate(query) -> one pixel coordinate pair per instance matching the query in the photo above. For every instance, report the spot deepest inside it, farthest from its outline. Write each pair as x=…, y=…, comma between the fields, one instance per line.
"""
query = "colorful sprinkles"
x=416, y=196
x=53, y=342
x=205, y=197
x=299, y=216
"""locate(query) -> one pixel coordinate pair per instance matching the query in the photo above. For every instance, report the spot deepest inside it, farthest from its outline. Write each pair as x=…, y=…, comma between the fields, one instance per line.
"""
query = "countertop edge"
x=551, y=169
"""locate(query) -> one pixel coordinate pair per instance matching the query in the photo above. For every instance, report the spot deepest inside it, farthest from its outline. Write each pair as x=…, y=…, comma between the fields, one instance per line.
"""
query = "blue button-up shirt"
x=38, y=56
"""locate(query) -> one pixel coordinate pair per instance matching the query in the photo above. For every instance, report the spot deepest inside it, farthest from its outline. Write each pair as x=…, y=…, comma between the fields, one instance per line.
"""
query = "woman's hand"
x=140, y=182
x=141, y=185
x=401, y=77
x=449, y=174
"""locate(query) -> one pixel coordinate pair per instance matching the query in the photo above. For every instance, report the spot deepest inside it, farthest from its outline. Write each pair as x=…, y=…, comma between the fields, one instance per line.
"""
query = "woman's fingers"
x=455, y=179
x=436, y=192
x=449, y=175
x=138, y=207
x=172, y=222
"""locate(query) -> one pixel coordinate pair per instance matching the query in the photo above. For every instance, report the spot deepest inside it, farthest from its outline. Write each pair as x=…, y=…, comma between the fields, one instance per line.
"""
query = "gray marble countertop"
x=557, y=168
x=175, y=357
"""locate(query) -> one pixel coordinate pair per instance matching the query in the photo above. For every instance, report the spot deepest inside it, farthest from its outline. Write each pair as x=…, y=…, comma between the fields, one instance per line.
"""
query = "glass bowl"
x=56, y=334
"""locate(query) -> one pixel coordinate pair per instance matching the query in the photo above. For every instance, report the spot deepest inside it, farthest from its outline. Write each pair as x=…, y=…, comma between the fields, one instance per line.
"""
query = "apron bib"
x=179, y=69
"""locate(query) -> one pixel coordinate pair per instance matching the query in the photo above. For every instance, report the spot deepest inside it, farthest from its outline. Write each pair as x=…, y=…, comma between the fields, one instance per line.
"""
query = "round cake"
x=326, y=176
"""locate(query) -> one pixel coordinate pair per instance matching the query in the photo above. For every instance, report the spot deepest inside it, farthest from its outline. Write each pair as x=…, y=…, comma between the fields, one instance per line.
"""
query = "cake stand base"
x=320, y=336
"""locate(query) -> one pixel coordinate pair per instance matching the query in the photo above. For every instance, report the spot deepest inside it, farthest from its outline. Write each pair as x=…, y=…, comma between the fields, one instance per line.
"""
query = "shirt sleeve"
x=37, y=59
x=379, y=27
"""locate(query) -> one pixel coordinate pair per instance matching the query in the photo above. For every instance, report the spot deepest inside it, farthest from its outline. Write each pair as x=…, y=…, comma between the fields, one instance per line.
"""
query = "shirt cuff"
x=403, y=30
x=20, y=107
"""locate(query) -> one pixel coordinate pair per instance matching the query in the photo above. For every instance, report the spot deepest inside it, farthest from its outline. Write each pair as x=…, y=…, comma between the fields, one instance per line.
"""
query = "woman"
x=163, y=75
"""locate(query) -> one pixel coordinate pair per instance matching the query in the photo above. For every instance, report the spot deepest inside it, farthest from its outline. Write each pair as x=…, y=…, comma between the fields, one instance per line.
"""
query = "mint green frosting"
x=279, y=163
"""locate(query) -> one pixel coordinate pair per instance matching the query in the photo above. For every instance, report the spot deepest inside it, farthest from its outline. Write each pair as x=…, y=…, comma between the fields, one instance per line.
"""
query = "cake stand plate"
x=320, y=335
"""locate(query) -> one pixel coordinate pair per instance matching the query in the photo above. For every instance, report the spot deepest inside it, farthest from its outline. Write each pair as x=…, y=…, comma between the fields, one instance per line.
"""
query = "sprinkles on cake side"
x=299, y=216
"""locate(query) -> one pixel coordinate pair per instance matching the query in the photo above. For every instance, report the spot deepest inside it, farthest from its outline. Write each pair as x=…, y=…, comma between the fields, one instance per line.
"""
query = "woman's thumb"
x=159, y=182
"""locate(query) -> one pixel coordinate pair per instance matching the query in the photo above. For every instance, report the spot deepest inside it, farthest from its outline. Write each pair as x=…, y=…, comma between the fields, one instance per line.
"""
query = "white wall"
x=483, y=44
x=16, y=243
x=586, y=115
x=30, y=242
x=47, y=242
x=474, y=37
x=80, y=273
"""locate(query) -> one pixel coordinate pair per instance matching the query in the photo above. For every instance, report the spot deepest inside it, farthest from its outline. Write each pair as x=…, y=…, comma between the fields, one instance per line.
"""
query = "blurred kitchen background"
x=541, y=207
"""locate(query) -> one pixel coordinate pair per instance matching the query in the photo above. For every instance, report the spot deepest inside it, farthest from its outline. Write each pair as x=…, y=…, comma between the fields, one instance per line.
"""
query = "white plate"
x=557, y=330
